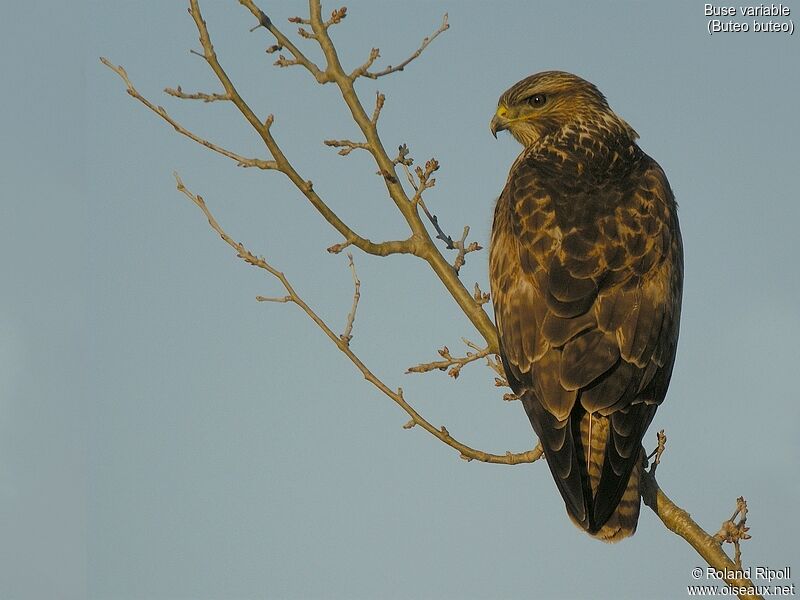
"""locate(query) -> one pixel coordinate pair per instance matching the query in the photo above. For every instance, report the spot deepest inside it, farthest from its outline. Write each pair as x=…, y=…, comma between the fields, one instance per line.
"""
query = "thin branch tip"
x=177, y=92
x=734, y=531
x=401, y=66
x=449, y=363
x=347, y=335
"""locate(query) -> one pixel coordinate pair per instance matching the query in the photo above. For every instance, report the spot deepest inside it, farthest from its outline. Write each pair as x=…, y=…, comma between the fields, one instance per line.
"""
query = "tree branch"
x=346, y=146
x=733, y=531
x=161, y=112
x=390, y=69
x=179, y=93
x=420, y=242
x=343, y=344
x=281, y=163
x=347, y=336
x=480, y=296
x=284, y=42
x=679, y=522
x=454, y=364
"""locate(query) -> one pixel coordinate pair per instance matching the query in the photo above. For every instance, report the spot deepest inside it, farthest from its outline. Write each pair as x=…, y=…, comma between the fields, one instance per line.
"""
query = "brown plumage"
x=586, y=269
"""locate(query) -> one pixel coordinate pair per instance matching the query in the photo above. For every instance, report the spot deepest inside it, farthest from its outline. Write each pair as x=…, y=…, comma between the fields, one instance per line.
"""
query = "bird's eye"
x=537, y=100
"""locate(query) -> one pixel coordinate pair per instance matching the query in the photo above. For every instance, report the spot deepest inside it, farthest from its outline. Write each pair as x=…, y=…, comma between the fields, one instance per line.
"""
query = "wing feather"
x=587, y=309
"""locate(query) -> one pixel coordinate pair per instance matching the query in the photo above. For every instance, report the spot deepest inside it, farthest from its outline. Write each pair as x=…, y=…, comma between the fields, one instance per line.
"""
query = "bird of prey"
x=586, y=270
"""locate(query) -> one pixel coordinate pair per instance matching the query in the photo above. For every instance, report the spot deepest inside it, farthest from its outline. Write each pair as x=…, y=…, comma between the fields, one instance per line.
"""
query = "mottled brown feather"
x=586, y=271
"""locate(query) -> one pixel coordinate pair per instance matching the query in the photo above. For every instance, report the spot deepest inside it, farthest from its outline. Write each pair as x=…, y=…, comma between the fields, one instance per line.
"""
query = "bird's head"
x=551, y=101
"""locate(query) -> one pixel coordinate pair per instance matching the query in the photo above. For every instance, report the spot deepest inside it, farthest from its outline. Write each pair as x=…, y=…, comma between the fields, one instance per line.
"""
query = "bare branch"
x=425, y=179
x=282, y=61
x=495, y=365
x=678, y=521
x=179, y=93
x=480, y=296
x=161, y=112
x=450, y=243
x=419, y=243
x=347, y=146
x=284, y=42
x=732, y=531
x=463, y=250
x=425, y=42
x=656, y=454
x=440, y=234
x=454, y=364
x=403, y=158
x=359, y=71
x=263, y=130
x=501, y=380
x=397, y=396
x=304, y=33
x=380, y=100
x=336, y=17
x=351, y=316
x=471, y=344
x=336, y=248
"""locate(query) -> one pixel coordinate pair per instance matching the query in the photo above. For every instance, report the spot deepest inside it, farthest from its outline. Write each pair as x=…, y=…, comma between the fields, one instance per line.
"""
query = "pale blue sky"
x=164, y=436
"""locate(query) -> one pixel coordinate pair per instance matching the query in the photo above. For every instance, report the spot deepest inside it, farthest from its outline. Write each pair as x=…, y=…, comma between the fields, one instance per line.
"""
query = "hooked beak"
x=499, y=121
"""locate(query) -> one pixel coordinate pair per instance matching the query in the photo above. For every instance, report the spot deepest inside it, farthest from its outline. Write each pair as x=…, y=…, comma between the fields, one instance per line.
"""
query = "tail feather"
x=601, y=499
x=623, y=520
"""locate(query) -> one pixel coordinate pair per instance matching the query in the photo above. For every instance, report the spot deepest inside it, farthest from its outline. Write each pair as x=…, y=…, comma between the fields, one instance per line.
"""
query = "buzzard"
x=586, y=270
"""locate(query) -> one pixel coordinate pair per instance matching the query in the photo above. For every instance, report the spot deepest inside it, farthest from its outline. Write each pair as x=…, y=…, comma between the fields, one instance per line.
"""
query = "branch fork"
x=735, y=530
x=450, y=363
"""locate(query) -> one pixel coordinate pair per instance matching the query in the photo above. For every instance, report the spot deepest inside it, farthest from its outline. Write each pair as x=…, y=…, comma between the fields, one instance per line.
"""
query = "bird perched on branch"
x=586, y=269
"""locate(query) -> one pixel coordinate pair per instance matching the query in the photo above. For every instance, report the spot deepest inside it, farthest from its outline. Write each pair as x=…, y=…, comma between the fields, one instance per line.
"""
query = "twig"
x=424, y=180
x=440, y=234
x=732, y=531
x=480, y=296
x=336, y=17
x=497, y=367
x=263, y=129
x=463, y=250
x=292, y=296
x=179, y=93
x=454, y=364
x=336, y=248
x=419, y=243
x=678, y=521
x=284, y=42
x=281, y=163
x=347, y=146
x=404, y=159
x=425, y=42
x=359, y=71
x=161, y=112
x=500, y=380
x=351, y=316
x=658, y=452
x=304, y=33
x=380, y=100
x=471, y=344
